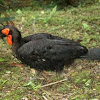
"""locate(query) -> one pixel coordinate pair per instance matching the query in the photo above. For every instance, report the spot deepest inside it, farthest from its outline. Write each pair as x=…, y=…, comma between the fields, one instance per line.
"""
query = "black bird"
x=44, y=51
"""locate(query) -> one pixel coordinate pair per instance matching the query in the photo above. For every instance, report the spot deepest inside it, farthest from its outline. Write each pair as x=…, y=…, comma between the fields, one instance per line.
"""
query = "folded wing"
x=51, y=49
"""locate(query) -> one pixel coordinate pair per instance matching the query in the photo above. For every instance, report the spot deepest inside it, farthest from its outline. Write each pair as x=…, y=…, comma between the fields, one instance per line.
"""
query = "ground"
x=79, y=81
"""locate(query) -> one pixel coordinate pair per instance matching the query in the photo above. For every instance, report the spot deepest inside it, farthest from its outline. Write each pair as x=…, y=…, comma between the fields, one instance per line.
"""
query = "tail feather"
x=93, y=54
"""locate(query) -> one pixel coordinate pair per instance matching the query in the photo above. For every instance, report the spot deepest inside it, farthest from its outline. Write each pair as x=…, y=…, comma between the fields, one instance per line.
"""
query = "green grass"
x=81, y=23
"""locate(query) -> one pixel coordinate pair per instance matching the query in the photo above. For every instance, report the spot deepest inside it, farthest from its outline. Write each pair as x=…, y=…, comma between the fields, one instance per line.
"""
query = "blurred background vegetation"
x=6, y=4
x=16, y=4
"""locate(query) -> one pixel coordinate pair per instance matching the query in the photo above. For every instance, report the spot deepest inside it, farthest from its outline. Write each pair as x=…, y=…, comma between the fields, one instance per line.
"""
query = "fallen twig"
x=53, y=83
x=44, y=98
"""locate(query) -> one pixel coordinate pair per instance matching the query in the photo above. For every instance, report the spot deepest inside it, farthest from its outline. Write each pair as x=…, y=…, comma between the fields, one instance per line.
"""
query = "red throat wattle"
x=9, y=37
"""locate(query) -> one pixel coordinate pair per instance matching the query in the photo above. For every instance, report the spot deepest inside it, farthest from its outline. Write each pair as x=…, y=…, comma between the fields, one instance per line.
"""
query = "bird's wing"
x=46, y=36
x=51, y=49
x=37, y=37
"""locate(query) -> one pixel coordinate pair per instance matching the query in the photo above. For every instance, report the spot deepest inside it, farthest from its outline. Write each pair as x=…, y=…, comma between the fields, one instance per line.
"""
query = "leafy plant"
x=2, y=60
x=53, y=11
x=51, y=14
x=86, y=26
x=6, y=19
x=88, y=82
x=2, y=82
x=34, y=87
x=19, y=12
x=1, y=2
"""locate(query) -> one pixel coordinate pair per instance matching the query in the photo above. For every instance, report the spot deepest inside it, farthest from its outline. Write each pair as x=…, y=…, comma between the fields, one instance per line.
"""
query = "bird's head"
x=11, y=32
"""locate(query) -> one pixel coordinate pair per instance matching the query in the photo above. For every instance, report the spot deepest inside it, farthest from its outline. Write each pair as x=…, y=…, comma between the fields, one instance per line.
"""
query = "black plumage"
x=44, y=51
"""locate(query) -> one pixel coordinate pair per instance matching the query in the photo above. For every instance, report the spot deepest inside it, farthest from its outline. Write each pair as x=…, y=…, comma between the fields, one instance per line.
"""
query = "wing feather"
x=51, y=49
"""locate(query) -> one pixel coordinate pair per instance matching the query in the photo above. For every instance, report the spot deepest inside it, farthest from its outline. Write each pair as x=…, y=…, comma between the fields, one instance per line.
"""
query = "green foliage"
x=48, y=18
x=6, y=19
x=88, y=82
x=53, y=11
x=65, y=87
x=2, y=60
x=86, y=26
x=2, y=82
x=37, y=3
x=1, y=1
x=19, y=12
x=34, y=87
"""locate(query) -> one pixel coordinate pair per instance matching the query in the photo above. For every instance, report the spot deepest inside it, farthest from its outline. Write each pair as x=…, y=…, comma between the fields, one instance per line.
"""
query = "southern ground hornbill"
x=44, y=51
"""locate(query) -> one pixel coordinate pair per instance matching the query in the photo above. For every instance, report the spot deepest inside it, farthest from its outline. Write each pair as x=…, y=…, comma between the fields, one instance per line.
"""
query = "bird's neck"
x=17, y=43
